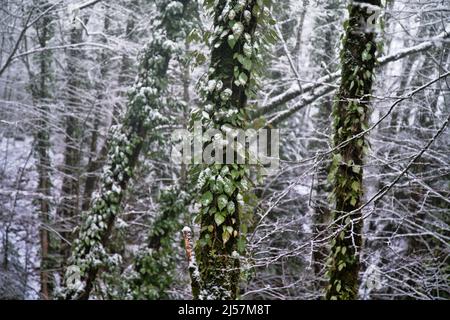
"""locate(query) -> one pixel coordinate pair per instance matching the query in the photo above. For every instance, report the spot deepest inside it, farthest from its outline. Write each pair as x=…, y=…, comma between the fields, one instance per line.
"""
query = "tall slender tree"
x=41, y=93
x=235, y=59
x=350, y=118
x=69, y=207
x=96, y=160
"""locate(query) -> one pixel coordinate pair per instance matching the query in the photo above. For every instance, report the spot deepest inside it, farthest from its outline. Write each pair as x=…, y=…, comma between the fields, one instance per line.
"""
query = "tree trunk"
x=230, y=80
x=68, y=209
x=41, y=95
x=95, y=161
x=350, y=116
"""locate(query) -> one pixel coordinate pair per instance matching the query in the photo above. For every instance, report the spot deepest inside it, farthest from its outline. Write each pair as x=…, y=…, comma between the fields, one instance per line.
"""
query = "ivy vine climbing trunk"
x=145, y=101
x=235, y=61
x=350, y=118
x=155, y=263
x=154, y=266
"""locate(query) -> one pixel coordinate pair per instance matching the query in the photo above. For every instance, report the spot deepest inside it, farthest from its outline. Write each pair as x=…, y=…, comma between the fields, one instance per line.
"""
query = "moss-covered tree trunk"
x=126, y=141
x=230, y=80
x=350, y=116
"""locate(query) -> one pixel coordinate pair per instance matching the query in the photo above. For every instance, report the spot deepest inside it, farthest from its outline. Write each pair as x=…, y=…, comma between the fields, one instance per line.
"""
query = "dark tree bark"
x=350, y=117
x=40, y=90
x=69, y=207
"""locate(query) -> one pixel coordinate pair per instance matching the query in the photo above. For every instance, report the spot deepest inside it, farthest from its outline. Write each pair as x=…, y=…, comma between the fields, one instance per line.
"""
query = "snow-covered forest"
x=347, y=197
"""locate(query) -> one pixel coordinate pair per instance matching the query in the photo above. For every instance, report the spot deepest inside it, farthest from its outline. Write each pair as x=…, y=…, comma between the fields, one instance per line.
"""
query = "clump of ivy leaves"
x=225, y=190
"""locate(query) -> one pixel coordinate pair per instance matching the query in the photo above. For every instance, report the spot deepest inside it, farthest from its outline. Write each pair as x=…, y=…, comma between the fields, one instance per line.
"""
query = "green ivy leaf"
x=224, y=171
x=228, y=186
x=241, y=245
x=243, y=78
x=194, y=36
x=360, y=142
x=360, y=110
x=200, y=58
x=225, y=237
x=231, y=41
x=206, y=198
x=366, y=56
x=230, y=207
x=219, y=218
x=222, y=201
x=337, y=158
x=246, y=62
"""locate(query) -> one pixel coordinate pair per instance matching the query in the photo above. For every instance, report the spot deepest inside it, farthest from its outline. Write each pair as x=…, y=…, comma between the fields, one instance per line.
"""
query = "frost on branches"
x=126, y=140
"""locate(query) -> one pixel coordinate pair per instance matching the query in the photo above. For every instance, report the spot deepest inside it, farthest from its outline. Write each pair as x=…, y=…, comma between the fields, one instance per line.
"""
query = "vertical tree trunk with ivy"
x=231, y=78
x=350, y=118
x=126, y=141
x=154, y=265
x=40, y=90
